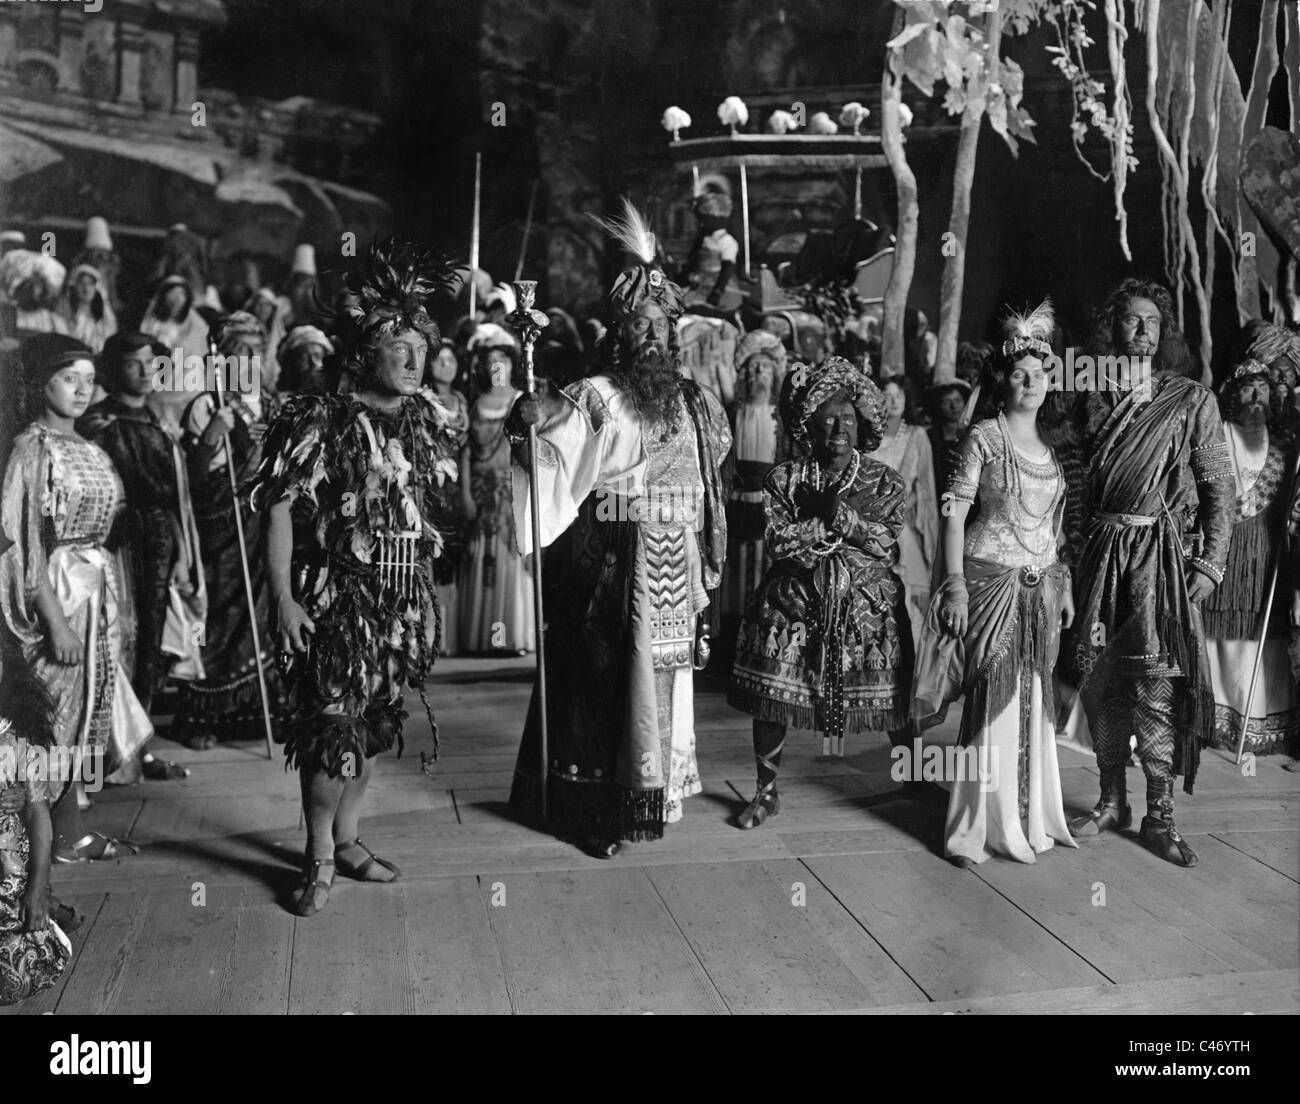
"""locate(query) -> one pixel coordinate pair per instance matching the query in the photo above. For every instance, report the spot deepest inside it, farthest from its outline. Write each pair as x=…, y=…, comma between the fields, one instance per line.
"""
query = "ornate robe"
x=643, y=517
x=1159, y=491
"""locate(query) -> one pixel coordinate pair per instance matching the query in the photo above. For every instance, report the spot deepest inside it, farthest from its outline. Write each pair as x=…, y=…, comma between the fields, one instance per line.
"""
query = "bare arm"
x=292, y=619
x=35, y=904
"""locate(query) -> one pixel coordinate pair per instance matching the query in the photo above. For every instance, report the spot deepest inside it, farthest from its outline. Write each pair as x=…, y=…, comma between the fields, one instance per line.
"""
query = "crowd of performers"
x=1090, y=566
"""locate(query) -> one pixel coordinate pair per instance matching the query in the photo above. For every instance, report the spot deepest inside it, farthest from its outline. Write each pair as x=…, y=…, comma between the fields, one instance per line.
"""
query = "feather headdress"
x=645, y=280
x=391, y=293
x=1030, y=332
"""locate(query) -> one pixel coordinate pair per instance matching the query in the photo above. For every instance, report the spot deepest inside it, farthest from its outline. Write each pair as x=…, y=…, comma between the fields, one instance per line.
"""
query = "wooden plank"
x=1261, y=993
x=1104, y=903
x=774, y=940
x=160, y=953
x=951, y=933
x=1278, y=851
x=593, y=942
x=352, y=956
x=1226, y=902
x=455, y=964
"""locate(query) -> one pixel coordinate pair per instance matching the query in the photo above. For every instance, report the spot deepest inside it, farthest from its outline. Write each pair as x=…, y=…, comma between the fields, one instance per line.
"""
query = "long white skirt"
x=1273, y=713
x=984, y=813
x=496, y=605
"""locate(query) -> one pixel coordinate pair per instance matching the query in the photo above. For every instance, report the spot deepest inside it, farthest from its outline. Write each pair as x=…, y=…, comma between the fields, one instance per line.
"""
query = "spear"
x=528, y=229
x=473, y=232
x=1282, y=549
x=217, y=363
x=529, y=323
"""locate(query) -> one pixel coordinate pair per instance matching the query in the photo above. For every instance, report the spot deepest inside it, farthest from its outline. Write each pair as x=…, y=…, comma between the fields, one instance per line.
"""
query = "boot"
x=1111, y=811
x=1158, y=833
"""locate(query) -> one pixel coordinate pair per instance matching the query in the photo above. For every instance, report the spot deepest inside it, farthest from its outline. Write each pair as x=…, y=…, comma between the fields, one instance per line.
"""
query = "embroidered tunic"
x=825, y=643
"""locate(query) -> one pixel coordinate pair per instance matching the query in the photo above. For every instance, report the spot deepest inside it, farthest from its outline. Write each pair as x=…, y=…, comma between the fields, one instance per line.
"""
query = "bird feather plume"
x=1035, y=326
x=631, y=231
x=403, y=275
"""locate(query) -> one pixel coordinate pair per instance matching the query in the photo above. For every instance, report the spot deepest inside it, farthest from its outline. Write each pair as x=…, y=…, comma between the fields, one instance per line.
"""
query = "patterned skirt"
x=856, y=677
x=29, y=961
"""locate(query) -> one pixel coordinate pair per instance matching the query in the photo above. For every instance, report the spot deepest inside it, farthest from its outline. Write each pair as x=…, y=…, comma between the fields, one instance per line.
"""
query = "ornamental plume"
x=391, y=292
x=1032, y=331
x=389, y=296
x=631, y=232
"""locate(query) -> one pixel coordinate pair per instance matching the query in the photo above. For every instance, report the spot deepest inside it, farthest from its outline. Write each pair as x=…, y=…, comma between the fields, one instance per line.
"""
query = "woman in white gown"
x=495, y=587
x=993, y=630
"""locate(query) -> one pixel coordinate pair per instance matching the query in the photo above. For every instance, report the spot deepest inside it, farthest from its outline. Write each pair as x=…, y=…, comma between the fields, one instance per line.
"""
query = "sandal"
x=314, y=893
x=360, y=871
x=160, y=770
x=201, y=741
x=67, y=916
x=107, y=852
x=767, y=802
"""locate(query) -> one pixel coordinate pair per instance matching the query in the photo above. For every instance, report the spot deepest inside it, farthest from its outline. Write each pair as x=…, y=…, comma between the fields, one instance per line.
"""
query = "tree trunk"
x=900, y=282
x=954, y=245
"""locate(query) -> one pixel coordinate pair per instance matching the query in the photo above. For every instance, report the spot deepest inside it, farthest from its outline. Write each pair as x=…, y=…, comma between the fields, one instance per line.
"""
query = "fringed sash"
x=1013, y=633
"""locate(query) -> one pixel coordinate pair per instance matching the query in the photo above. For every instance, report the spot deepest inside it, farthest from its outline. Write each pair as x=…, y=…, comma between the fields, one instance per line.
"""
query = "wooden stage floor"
x=839, y=904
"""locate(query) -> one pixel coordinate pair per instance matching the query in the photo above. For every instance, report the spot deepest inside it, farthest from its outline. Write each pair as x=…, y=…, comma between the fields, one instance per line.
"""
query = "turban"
x=300, y=336
x=644, y=282
x=488, y=335
x=760, y=341
x=44, y=354
x=713, y=205
x=810, y=387
x=1273, y=342
x=237, y=325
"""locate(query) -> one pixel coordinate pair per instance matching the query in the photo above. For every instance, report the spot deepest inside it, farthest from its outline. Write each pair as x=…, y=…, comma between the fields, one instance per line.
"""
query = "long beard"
x=651, y=382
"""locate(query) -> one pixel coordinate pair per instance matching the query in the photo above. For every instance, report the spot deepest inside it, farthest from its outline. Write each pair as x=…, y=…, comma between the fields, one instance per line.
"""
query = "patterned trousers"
x=1137, y=706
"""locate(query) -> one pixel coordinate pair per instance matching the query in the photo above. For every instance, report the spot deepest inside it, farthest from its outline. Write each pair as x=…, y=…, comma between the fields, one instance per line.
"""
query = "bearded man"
x=630, y=471
x=1159, y=497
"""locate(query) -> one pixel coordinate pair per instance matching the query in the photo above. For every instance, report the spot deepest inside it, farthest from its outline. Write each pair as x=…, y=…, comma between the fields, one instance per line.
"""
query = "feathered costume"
x=368, y=510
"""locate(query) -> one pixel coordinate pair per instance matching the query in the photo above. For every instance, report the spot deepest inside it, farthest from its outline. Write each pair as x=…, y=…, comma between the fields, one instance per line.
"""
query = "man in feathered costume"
x=630, y=472
x=1159, y=496
x=351, y=484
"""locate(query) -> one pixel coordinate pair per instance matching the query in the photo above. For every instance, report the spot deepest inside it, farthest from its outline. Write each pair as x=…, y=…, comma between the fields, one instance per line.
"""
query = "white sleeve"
x=580, y=446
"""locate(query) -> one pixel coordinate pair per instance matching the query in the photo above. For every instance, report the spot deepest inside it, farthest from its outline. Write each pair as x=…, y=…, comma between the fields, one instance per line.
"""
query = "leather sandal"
x=161, y=770
x=107, y=853
x=361, y=869
x=314, y=893
x=67, y=916
x=767, y=802
x=1105, y=817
